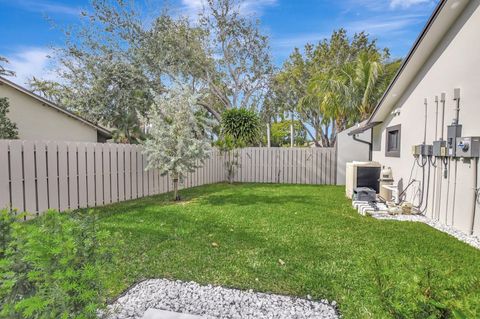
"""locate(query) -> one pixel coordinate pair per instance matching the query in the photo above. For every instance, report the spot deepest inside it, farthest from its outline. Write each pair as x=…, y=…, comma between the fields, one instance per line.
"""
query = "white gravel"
x=469, y=239
x=215, y=302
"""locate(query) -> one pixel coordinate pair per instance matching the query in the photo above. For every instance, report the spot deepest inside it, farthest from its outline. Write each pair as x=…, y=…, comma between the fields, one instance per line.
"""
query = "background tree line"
x=114, y=66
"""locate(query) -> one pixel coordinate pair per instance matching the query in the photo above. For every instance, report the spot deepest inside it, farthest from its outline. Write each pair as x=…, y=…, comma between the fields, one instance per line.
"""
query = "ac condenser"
x=362, y=174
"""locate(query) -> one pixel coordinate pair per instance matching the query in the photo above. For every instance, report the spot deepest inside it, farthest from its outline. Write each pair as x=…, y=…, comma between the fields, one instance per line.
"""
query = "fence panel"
x=72, y=176
x=36, y=176
x=29, y=178
x=82, y=175
x=42, y=181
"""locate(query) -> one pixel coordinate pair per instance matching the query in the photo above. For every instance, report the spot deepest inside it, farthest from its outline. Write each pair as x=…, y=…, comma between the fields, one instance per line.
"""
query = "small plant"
x=229, y=148
x=53, y=267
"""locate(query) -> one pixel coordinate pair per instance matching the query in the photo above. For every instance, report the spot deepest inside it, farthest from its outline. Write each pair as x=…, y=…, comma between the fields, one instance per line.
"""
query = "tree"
x=113, y=63
x=8, y=129
x=224, y=57
x=239, y=128
x=241, y=54
x=101, y=78
x=280, y=133
x=177, y=143
x=3, y=70
x=332, y=84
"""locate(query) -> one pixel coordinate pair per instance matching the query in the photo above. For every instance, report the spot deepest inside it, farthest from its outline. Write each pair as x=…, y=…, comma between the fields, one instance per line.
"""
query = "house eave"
x=444, y=15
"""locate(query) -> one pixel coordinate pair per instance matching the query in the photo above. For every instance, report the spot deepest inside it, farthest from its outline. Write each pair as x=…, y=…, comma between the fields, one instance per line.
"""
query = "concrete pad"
x=163, y=314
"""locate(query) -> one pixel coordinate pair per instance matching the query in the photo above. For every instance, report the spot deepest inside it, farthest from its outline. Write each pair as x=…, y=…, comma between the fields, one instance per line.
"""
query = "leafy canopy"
x=177, y=142
x=242, y=125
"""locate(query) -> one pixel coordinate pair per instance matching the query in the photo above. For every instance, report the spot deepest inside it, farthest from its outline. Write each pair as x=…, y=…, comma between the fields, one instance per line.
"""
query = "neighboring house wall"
x=455, y=63
x=349, y=150
x=36, y=121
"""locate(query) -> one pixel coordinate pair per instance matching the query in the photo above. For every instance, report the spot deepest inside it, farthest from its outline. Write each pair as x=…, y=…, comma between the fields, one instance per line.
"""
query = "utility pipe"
x=456, y=97
x=434, y=194
x=442, y=99
x=425, y=130
x=475, y=193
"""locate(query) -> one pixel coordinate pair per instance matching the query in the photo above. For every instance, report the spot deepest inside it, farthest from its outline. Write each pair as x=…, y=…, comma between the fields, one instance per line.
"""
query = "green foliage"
x=54, y=266
x=3, y=70
x=426, y=292
x=7, y=219
x=239, y=128
x=8, y=129
x=331, y=85
x=242, y=125
x=280, y=133
x=177, y=143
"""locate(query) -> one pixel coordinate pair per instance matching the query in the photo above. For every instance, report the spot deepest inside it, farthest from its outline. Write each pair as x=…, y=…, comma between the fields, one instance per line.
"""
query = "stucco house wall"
x=38, y=121
x=454, y=63
x=349, y=150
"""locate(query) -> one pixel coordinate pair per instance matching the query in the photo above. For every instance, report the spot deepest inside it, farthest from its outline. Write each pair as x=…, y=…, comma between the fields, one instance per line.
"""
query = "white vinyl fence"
x=36, y=176
x=286, y=165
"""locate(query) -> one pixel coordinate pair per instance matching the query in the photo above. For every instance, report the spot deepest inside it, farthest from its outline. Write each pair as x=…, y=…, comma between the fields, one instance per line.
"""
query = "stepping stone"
x=163, y=314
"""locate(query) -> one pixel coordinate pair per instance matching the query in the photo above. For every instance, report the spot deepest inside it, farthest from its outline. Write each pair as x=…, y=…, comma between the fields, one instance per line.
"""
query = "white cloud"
x=46, y=7
x=31, y=62
x=382, y=25
x=191, y=8
x=407, y=3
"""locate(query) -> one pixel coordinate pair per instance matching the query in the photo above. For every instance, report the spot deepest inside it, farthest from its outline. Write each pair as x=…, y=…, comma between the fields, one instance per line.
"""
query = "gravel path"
x=471, y=240
x=215, y=302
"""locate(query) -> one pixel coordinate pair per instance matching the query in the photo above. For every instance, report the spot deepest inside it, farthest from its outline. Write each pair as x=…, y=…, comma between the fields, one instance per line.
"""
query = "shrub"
x=242, y=125
x=53, y=267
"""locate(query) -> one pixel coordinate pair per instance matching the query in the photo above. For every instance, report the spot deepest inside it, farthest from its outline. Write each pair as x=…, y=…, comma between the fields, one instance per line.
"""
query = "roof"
x=362, y=128
x=103, y=131
x=444, y=15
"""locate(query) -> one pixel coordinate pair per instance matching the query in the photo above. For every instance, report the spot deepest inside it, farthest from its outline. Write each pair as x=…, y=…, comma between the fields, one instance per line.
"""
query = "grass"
x=372, y=268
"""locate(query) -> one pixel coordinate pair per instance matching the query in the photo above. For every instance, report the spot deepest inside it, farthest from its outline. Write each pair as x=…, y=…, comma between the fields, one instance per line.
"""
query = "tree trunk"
x=176, y=197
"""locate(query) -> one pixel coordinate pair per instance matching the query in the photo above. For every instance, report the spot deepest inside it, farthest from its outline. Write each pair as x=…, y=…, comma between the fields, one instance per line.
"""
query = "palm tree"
x=350, y=93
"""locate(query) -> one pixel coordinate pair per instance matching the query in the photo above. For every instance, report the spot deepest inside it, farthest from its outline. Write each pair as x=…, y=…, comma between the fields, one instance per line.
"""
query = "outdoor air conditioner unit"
x=362, y=174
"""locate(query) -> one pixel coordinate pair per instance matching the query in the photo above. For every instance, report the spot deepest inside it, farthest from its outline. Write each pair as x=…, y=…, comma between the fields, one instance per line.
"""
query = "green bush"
x=53, y=267
x=242, y=125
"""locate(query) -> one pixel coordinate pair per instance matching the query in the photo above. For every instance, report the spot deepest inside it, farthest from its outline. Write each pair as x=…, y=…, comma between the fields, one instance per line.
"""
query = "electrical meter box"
x=416, y=150
x=426, y=150
x=468, y=146
x=453, y=132
x=439, y=148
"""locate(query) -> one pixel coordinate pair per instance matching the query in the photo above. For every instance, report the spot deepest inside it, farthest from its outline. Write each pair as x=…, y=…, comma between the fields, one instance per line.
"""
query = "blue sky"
x=27, y=34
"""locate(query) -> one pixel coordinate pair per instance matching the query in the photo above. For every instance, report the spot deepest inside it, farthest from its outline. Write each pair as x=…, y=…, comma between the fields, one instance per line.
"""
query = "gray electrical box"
x=439, y=148
x=468, y=146
x=453, y=131
x=426, y=150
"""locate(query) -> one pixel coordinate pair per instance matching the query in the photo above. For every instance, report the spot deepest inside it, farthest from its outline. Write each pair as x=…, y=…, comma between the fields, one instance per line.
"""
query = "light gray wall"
x=455, y=63
x=36, y=121
x=349, y=150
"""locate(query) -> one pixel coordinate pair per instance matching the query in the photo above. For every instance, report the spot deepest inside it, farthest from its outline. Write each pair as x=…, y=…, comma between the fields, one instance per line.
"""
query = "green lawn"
x=372, y=268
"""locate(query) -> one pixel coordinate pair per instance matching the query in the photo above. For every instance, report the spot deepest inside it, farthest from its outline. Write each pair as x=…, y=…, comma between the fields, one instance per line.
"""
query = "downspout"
x=370, y=144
